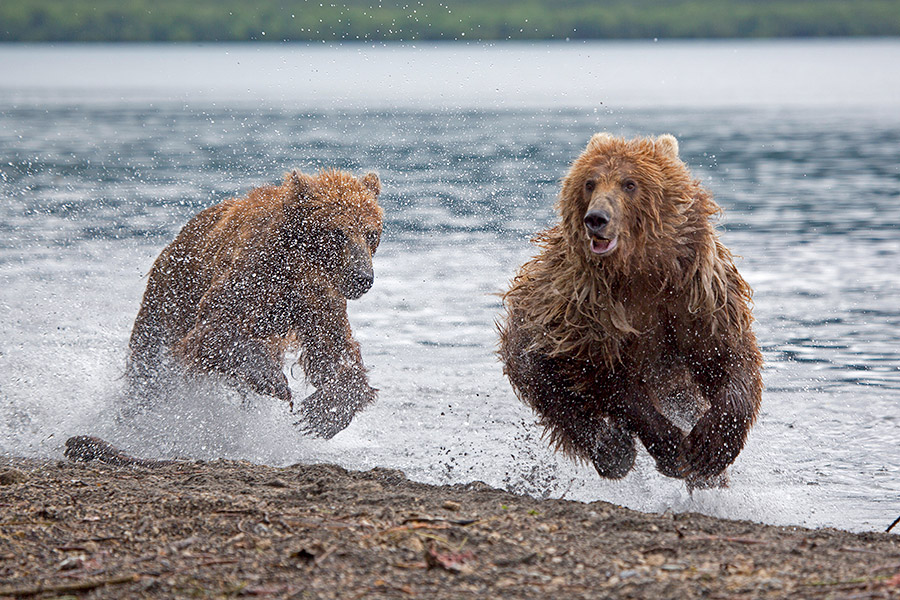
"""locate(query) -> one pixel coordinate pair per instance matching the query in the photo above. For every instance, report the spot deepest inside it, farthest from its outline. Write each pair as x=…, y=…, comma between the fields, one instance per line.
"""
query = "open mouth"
x=603, y=246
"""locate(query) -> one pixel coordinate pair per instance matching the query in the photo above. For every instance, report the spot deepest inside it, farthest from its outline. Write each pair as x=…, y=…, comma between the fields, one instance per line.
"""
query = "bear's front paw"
x=321, y=416
x=664, y=444
x=327, y=411
x=614, y=451
x=710, y=447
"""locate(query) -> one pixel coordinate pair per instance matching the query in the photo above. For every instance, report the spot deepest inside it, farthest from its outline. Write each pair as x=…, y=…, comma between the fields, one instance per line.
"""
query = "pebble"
x=11, y=476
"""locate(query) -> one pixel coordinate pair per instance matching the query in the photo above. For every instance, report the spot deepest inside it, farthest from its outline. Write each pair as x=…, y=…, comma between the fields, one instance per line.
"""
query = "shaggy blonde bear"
x=633, y=320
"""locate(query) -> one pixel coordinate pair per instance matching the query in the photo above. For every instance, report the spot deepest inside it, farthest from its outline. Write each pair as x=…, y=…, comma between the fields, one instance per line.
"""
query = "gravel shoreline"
x=233, y=529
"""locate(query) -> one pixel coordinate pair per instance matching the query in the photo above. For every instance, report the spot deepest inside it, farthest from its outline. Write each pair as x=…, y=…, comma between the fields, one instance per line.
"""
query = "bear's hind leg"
x=251, y=361
x=149, y=372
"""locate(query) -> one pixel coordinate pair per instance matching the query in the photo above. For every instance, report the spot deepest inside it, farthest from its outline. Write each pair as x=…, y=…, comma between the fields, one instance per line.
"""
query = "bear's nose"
x=364, y=281
x=358, y=284
x=596, y=221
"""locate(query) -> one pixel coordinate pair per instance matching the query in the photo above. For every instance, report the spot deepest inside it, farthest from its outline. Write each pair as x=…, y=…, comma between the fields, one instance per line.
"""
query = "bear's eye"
x=629, y=185
x=589, y=185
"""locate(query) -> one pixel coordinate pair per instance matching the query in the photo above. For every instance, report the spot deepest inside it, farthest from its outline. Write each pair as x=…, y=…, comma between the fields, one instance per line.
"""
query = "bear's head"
x=626, y=201
x=334, y=220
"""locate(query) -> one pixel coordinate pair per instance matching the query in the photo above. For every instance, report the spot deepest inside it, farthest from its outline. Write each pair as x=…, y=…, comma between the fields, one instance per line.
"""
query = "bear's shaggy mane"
x=582, y=307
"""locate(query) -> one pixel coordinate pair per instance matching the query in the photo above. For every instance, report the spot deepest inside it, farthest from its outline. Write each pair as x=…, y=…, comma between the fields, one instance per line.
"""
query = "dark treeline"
x=370, y=20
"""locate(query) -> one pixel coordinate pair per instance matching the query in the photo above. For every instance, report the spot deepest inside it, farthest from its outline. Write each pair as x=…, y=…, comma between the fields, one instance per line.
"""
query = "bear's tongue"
x=602, y=246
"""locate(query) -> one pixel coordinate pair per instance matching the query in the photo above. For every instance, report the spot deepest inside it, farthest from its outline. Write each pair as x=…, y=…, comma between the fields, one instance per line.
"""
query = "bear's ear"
x=372, y=183
x=298, y=185
x=600, y=138
x=668, y=145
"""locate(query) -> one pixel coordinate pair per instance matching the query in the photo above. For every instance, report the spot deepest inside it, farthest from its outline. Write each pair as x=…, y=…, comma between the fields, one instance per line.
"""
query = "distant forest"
x=373, y=20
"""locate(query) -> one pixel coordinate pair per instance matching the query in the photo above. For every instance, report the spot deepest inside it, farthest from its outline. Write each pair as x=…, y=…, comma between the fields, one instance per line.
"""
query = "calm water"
x=106, y=151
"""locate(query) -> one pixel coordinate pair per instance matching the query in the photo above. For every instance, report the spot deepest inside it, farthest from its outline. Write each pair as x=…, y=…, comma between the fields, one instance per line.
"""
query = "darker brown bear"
x=250, y=277
x=633, y=320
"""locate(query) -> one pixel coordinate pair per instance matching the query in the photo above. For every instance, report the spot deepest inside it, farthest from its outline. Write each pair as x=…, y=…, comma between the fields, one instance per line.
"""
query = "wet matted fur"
x=248, y=278
x=633, y=320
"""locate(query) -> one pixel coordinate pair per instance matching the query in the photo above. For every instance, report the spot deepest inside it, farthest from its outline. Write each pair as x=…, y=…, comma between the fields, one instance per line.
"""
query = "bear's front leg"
x=253, y=363
x=333, y=363
x=570, y=417
x=727, y=370
x=614, y=450
x=232, y=334
x=720, y=434
x=629, y=403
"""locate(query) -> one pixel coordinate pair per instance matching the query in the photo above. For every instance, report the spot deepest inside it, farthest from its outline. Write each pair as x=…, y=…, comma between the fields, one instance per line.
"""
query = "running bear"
x=633, y=321
x=249, y=278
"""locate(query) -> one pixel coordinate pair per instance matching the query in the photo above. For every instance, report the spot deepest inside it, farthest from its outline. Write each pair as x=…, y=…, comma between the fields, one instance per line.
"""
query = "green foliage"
x=371, y=20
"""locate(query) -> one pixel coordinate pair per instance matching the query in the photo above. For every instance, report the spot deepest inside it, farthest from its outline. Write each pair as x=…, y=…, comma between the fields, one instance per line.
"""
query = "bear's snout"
x=595, y=221
x=358, y=284
x=359, y=274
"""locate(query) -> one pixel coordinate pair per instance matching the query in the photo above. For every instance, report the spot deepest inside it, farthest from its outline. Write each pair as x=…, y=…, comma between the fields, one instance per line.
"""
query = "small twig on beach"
x=328, y=552
x=891, y=526
x=719, y=538
x=209, y=563
x=382, y=586
x=888, y=568
x=525, y=559
x=461, y=522
x=859, y=550
x=77, y=586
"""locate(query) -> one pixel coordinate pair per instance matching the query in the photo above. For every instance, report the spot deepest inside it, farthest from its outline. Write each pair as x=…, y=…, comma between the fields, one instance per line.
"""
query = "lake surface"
x=106, y=151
